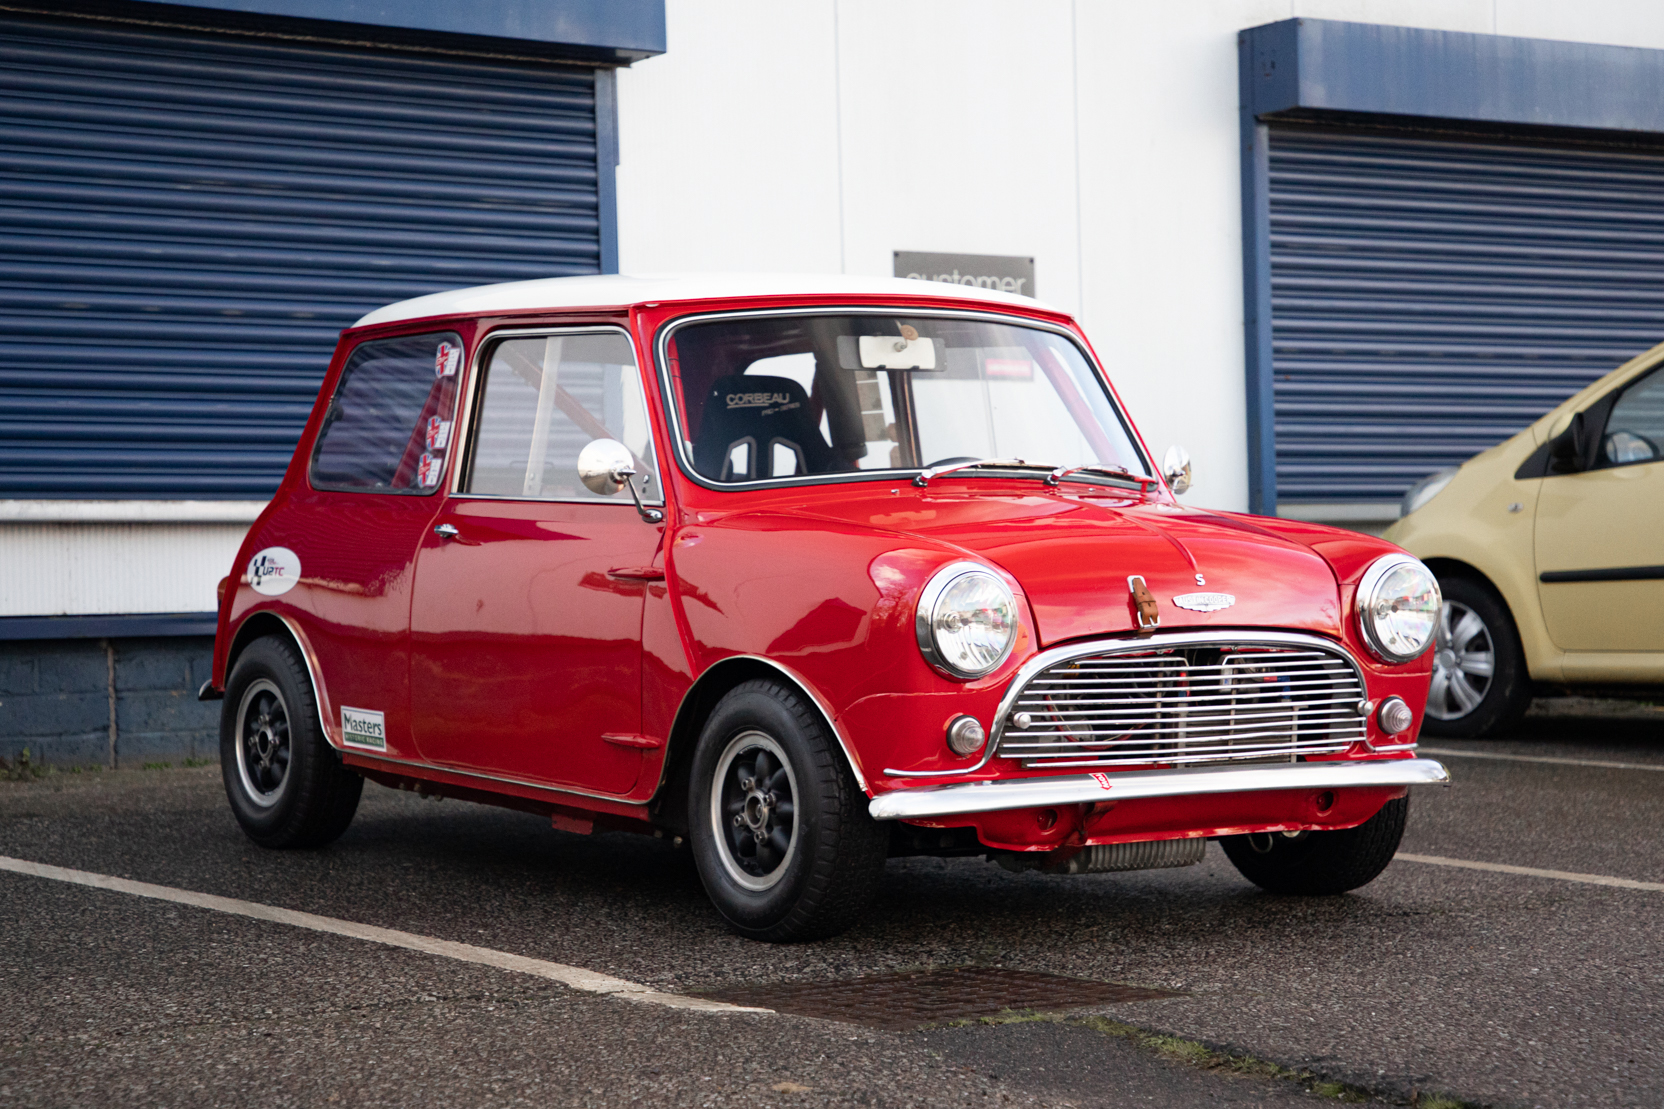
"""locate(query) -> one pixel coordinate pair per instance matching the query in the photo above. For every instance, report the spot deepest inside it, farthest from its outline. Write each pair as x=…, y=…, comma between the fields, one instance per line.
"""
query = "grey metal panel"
x=1432, y=297
x=188, y=220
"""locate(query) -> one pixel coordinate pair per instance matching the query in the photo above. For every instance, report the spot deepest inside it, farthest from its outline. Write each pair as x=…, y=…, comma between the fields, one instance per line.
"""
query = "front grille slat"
x=1214, y=702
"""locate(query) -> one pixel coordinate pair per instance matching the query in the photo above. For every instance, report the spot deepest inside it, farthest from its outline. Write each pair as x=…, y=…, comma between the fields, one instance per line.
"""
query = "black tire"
x=286, y=785
x=1475, y=625
x=803, y=865
x=1320, y=862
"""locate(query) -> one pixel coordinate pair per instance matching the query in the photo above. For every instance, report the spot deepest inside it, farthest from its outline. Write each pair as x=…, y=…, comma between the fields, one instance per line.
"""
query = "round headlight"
x=966, y=620
x=1398, y=607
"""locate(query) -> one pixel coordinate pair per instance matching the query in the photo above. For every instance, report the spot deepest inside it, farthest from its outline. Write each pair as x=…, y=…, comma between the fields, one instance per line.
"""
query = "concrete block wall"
x=117, y=702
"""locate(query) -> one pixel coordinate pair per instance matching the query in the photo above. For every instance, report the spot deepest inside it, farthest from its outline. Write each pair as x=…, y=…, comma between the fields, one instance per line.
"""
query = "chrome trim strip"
x=476, y=382
x=1046, y=659
x=797, y=680
x=963, y=798
x=569, y=791
x=661, y=344
x=312, y=668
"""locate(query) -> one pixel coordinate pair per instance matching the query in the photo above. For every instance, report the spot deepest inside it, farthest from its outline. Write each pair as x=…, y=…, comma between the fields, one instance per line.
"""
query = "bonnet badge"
x=1204, y=602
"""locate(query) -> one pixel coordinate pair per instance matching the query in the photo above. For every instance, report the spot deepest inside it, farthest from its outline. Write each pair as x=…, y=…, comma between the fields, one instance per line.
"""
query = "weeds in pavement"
x=193, y=763
x=22, y=768
x=1194, y=1053
x=158, y=766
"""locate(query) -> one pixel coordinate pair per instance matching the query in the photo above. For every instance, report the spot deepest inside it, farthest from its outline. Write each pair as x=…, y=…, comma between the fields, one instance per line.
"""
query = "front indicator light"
x=966, y=736
x=1398, y=608
x=1395, y=716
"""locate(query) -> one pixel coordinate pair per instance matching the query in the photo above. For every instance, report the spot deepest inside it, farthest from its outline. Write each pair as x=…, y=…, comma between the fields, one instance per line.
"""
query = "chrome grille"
x=1213, y=702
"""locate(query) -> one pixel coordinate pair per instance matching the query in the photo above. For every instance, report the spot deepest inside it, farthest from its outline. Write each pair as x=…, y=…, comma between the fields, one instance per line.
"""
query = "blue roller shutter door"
x=187, y=221
x=1431, y=297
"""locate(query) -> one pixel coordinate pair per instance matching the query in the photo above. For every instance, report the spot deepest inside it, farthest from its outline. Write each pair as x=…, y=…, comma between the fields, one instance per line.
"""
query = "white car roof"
x=616, y=290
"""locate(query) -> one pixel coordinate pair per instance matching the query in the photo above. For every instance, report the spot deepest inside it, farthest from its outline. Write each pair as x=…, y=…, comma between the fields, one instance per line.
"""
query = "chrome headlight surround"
x=1395, y=595
x=931, y=618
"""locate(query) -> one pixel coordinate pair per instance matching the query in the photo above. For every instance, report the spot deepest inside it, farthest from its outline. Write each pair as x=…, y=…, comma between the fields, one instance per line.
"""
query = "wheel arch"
x=258, y=625
x=670, y=798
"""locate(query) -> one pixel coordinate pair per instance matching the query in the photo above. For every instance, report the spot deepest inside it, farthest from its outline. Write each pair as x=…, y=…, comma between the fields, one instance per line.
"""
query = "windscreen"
x=803, y=396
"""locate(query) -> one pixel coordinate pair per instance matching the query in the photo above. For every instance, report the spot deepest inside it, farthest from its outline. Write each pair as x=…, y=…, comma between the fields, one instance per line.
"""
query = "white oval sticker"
x=274, y=570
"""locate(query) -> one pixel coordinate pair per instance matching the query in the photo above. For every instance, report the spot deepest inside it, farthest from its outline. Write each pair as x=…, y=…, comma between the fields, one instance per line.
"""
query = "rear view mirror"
x=897, y=352
x=1573, y=450
x=1175, y=467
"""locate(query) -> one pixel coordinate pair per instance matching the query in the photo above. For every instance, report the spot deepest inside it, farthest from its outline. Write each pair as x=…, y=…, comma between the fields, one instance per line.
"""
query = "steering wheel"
x=952, y=460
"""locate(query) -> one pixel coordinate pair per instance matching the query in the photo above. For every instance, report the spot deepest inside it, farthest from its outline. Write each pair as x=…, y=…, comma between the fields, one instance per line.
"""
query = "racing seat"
x=755, y=426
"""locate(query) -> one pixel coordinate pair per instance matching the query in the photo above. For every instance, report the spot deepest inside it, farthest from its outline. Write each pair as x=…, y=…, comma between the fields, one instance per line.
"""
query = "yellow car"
x=1549, y=549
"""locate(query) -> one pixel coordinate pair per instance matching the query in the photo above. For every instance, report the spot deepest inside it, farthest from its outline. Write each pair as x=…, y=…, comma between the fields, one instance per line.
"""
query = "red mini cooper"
x=809, y=572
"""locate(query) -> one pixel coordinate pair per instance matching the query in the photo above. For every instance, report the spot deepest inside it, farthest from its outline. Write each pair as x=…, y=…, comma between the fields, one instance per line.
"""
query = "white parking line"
x=576, y=977
x=1425, y=750
x=1534, y=872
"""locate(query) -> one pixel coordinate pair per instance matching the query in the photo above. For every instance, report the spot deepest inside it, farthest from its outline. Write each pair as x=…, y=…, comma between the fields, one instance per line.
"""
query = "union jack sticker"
x=427, y=470
x=438, y=433
x=446, y=359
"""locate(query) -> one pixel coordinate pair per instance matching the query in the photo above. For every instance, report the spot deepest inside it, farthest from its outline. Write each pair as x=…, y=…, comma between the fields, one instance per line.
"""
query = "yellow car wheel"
x=1480, y=685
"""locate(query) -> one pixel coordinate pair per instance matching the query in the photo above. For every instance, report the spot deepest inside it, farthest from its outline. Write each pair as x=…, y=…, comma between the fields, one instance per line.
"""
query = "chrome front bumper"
x=1023, y=793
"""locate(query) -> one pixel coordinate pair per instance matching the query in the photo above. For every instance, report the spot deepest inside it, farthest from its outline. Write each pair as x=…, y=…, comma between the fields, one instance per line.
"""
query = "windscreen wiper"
x=922, y=478
x=1119, y=473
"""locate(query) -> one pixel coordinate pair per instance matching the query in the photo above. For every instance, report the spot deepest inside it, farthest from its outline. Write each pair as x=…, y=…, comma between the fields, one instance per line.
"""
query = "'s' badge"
x=1205, y=602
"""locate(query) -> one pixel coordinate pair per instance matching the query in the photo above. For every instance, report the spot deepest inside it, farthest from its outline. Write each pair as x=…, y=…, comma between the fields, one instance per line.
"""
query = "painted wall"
x=1098, y=137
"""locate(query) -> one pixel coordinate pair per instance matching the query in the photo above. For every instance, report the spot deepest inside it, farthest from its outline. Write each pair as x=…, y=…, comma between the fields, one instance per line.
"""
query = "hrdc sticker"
x=427, y=470
x=1011, y=369
x=439, y=433
x=446, y=360
x=363, y=728
x=274, y=570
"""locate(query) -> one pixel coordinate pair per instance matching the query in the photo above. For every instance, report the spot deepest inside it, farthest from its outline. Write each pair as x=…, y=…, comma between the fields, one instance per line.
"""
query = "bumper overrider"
x=962, y=798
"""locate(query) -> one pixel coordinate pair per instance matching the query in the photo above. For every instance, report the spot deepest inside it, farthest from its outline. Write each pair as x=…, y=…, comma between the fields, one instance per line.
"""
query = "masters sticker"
x=363, y=728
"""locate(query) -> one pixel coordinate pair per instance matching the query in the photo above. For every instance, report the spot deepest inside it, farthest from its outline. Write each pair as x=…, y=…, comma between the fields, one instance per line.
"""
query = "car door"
x=374, y=479
x=1600, y=532
x=527, y=608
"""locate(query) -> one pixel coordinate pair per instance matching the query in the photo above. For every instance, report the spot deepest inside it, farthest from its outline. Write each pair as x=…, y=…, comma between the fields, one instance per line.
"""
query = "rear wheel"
x=286, y=785
x=780, y=830
x=1480, y=685
x=1320, y=862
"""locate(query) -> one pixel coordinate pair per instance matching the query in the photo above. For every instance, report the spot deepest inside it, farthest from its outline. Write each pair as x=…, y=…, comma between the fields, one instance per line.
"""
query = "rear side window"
x=388, y=428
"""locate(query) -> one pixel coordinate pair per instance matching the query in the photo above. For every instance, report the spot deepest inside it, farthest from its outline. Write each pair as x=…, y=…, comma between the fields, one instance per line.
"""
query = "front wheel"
x=286, y=785
x=1320, y=862
x=1480, y=684
x=780, y=831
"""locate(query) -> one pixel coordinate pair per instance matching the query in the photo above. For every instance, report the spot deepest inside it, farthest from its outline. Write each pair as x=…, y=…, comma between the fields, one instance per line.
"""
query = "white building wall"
x=1098, y=136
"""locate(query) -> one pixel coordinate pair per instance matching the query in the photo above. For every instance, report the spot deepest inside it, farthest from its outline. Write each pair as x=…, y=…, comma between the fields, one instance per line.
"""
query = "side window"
x=542, y=401
x=388, y=428
x=1635, y=429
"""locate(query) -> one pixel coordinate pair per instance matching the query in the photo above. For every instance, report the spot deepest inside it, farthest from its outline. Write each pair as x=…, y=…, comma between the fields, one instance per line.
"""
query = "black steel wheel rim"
x=754, y=810
x=263, y=743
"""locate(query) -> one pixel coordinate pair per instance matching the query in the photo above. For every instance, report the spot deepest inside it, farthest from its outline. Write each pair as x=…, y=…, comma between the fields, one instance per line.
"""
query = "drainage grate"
x=911, y=1000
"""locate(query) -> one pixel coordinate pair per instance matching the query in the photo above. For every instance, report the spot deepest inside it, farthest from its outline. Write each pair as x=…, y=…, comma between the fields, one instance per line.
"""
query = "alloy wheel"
x=1464, y=661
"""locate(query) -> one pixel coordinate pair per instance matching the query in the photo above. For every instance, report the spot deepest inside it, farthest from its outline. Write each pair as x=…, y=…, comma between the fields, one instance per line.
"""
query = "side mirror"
x=605, y=466
x=1573, y=451
x=1175, y=467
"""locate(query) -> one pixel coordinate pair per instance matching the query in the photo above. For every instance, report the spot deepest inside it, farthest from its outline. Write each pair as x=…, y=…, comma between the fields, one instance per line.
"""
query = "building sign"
x=985, y=271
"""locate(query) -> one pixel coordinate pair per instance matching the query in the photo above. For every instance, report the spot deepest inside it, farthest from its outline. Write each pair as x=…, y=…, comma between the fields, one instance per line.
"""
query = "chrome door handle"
x=446, y=531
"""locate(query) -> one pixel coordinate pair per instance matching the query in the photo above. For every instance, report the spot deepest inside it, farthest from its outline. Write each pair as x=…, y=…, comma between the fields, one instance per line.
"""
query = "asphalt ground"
x=1492, y=988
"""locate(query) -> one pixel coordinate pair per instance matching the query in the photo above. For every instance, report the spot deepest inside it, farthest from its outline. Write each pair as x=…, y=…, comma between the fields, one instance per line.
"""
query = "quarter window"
x=543, y=400
x=1635, y=430
x=388, y=428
